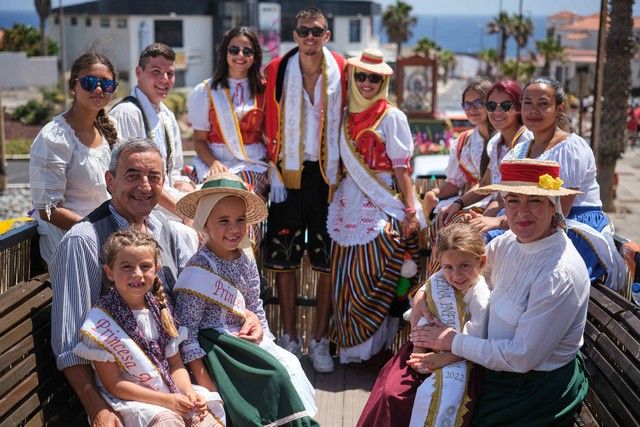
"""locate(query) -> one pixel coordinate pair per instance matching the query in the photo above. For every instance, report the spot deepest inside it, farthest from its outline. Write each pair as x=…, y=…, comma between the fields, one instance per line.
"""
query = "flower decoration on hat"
x=548, y=182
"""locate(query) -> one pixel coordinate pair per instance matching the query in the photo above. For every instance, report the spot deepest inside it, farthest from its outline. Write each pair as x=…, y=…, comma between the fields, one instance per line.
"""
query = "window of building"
x=289, y=24
x=105, y=22
x=354, y=31
x=87, y=21
x=74, y=21
x=169, y=32
x=121, y=23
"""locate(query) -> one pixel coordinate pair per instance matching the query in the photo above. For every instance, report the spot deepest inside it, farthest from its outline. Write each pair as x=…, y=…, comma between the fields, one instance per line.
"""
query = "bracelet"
x=410, y=211
x=460, y=202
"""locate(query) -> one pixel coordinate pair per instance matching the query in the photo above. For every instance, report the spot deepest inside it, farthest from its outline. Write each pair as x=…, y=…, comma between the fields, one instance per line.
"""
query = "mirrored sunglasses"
x=246, y=51
x=505, y=106
x=91, y=83
x=373, y=78
x=315, y=31
x=476, y=104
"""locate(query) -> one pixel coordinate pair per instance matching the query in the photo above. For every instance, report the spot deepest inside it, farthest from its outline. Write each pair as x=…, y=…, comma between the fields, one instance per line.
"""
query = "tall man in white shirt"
x=142, y=114
x=307, y=86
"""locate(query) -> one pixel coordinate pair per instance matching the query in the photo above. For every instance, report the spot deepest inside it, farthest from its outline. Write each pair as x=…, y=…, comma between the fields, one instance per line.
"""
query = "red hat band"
x=527, y=172
x=371, y=59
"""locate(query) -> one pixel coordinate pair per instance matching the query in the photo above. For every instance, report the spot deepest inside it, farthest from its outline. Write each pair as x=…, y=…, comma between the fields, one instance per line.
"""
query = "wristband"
x=460, y=202
x=410, y=211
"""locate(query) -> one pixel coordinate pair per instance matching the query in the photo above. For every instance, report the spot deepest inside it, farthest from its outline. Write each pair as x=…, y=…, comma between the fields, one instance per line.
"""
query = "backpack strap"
x=132, y=99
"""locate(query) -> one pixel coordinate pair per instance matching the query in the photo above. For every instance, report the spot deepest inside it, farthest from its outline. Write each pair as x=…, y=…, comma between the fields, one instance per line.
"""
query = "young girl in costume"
x=218, y=299
x=132, y=341
x=458, y=296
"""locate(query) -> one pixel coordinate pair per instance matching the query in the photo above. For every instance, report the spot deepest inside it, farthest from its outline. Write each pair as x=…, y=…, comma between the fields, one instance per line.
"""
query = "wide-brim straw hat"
x=530, y=177
x=225, y=183
x=371, y=60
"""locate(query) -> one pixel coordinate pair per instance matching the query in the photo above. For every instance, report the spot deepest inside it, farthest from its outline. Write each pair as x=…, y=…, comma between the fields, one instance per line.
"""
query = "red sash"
x=251, y=124
x=463, y=138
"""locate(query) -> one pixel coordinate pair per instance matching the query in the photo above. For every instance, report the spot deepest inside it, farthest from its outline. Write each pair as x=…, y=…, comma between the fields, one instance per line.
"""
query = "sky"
x=429, y=7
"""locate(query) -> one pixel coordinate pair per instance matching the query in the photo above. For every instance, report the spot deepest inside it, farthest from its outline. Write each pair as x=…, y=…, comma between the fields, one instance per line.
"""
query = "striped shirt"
x=76, y=279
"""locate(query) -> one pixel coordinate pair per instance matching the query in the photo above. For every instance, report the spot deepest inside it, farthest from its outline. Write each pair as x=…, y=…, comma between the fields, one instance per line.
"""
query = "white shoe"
x=293, y=347
x=319, y=353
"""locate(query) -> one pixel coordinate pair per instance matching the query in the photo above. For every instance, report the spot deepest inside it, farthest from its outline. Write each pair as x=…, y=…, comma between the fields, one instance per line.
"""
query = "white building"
x=120, y=29
x=579, y=36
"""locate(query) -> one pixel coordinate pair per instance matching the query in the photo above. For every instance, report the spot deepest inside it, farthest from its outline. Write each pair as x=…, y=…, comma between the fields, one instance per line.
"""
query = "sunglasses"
x=91, y=83
x=315, y=31
x=246, y=51
x=476, y=104
x=373, y=78
x=505, y=106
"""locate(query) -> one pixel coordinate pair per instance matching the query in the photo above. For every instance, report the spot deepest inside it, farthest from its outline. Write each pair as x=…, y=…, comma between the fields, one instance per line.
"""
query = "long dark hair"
x=482, y=86
x=562, y=121
x=222, y=67
x=102, y=122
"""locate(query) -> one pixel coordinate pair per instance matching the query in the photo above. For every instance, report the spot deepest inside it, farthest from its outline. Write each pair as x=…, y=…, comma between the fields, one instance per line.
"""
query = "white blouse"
x=537, y=308
x=470, y=157
x=65, y=172
x=577, y=166
x=353, y=219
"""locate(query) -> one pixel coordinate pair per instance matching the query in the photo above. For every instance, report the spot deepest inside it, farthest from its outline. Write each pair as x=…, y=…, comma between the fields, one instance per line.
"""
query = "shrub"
x=18, y=146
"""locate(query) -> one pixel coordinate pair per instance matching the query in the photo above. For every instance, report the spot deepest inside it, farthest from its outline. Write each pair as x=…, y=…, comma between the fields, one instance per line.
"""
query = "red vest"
x=251, y=123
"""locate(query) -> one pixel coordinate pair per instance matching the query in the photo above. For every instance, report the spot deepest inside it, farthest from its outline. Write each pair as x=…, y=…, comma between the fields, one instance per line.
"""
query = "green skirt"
x=254, y=386
x=535, y=398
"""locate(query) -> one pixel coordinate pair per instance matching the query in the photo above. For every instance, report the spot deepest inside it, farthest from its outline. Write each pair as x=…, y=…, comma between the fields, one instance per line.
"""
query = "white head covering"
x=203, y=210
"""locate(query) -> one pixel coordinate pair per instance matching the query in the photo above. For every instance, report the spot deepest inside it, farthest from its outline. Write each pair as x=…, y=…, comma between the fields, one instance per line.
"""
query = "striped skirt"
x=364, y=279
x=259, y=182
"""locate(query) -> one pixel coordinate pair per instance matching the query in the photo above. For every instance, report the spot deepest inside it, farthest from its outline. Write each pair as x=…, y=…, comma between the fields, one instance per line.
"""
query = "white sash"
x=441, y=399
x=102, y=329
x=376, y=190
x=293, y=118
x=212, y=288
x=605, y=249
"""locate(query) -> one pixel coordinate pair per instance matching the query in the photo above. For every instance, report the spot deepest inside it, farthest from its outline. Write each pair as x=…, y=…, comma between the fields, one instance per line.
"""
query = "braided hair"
x=102, y=122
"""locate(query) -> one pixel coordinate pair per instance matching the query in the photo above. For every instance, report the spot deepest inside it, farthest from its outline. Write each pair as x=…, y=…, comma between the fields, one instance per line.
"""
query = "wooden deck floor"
x=340, y=395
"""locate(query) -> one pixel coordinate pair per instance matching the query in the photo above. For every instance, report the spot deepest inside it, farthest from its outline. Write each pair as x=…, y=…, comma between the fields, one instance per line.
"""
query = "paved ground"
x=627, y=218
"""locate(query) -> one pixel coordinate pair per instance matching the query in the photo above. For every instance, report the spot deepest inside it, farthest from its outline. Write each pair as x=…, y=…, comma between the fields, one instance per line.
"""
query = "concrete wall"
x=20, y=71
x=123, y=45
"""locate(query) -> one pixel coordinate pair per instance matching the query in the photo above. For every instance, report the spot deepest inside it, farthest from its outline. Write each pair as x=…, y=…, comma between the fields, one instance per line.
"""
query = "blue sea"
x=461, y=34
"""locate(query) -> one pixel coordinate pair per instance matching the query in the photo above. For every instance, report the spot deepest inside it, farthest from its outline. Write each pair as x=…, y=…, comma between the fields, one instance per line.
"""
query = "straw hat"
x=371, y=60
x=228, y=184
x=530, y=177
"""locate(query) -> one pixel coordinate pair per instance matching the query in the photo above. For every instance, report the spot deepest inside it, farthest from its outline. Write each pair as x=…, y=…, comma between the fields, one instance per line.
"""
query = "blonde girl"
x=132, y=341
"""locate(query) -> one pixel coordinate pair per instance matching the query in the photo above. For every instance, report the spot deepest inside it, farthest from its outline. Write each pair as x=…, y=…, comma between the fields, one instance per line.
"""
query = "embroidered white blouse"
x=470, y=157
x=199, y=105
x=577, y=166
x=537, y=308
x=65, y=172
x=354, y=219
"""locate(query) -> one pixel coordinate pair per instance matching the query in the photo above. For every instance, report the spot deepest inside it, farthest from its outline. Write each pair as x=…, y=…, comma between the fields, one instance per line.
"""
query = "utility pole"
x=63, y=56
x=3, y=153
x=598, y=86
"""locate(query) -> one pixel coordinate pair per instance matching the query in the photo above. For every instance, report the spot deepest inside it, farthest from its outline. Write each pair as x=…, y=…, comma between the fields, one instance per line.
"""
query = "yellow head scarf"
x=357, y=102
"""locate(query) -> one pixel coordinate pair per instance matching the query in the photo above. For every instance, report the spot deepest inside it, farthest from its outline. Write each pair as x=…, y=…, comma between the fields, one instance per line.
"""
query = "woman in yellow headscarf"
x=375, y=215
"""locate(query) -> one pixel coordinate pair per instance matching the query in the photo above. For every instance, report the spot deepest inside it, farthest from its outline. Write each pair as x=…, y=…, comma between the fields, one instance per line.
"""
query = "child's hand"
x=252, y=328
x=179, y=403
x=426, y=363
x=199, y=404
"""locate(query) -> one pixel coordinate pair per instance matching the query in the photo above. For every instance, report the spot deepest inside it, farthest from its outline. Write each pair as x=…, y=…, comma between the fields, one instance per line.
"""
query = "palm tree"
x=503, y=26
x=424, y=46
x=522, y=31
x=398, y=21
x=44, y=10
x=551, y=50
x=490, y=59
x=447, y=59
x=616, y=83
x=521, y=71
